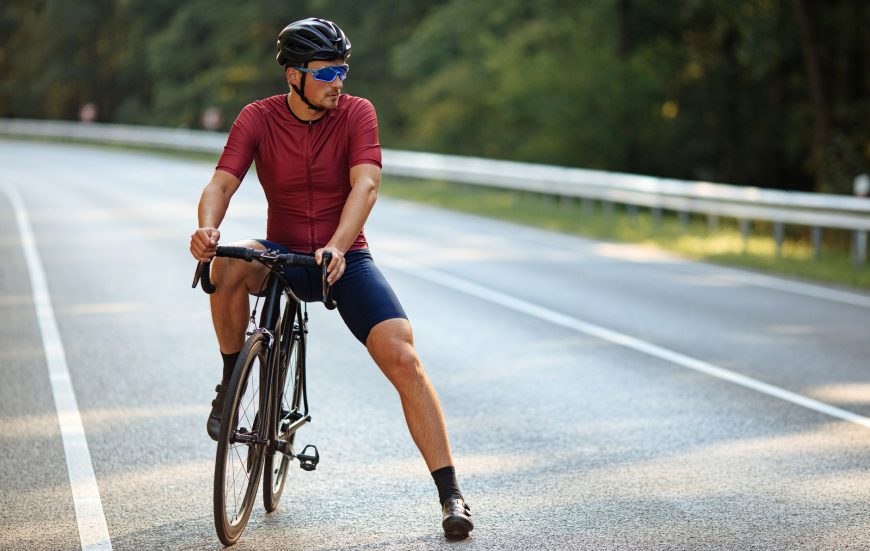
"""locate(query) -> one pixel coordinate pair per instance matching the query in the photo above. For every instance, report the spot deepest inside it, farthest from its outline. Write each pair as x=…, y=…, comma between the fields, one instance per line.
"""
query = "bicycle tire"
x=286, y=405
x=238, y=465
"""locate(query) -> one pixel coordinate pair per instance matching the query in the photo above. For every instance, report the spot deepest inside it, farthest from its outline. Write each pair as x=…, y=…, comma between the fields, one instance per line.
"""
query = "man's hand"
x=336, y=267
x=203, y=243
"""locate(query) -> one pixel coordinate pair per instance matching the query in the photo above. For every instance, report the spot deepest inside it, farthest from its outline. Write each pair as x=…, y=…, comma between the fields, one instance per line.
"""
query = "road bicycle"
x=266, y=399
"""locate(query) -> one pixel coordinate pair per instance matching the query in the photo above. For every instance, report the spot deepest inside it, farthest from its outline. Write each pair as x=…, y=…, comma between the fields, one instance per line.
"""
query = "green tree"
x=50, y=68
x=715, y=89
x=772, y=93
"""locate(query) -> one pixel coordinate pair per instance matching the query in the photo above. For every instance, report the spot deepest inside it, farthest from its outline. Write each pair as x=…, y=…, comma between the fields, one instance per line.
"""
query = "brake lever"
x=196, y=275
x=328, y=301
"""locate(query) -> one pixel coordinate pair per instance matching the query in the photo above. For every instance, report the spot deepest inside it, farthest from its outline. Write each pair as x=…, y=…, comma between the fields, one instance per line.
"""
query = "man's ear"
x=292, y=75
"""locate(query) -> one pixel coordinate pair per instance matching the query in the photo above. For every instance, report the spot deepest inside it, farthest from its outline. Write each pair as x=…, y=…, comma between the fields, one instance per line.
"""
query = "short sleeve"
x=242, y=142
x=364, y=145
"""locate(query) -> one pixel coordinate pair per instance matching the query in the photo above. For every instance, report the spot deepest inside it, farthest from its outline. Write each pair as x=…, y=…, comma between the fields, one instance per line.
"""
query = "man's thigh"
x=365, y=298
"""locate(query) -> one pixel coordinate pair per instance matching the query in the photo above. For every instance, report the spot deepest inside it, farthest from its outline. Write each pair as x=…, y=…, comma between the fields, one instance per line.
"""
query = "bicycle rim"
x=238, y=464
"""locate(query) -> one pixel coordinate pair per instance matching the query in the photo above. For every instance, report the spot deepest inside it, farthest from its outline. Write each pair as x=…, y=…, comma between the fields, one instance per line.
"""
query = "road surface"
x=598, y=395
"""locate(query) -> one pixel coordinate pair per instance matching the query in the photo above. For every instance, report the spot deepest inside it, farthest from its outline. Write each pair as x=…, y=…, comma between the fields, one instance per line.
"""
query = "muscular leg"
x=391, y=345
x=230, y=308
x=234, y=280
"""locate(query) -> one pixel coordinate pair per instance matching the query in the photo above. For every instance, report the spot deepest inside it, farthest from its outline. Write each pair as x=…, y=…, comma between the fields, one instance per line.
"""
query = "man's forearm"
x=355, y=213
x=213, y=206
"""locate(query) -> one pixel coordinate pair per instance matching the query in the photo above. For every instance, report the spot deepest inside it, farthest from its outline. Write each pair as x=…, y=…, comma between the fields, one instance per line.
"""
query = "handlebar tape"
x=203, y=276
x=203, y=270
x=242, y=253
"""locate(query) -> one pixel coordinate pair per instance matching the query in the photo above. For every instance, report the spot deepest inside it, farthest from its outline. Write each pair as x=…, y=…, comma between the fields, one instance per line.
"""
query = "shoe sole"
x=457, y=527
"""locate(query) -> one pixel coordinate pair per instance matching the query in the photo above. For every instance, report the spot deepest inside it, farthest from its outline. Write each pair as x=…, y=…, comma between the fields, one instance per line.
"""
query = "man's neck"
x=302, y=111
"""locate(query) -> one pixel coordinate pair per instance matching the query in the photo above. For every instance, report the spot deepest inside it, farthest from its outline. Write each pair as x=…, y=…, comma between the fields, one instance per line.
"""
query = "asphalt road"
x=585, y=383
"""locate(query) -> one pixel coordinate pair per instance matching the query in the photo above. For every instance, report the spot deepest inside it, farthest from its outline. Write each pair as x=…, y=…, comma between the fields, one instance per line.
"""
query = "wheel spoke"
x=235, y=460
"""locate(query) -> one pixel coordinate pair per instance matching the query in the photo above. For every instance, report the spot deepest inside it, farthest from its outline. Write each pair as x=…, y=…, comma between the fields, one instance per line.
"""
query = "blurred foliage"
x=758, y=92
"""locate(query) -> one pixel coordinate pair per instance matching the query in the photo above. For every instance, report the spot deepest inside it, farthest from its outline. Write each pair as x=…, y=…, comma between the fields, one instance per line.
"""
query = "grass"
x=693, y=237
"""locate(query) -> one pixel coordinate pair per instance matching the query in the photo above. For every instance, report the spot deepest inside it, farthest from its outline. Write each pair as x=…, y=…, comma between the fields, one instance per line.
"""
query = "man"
x=319, y=161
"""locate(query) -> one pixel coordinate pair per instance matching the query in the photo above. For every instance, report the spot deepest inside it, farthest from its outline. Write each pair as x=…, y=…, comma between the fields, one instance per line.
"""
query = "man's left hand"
x=336, y=267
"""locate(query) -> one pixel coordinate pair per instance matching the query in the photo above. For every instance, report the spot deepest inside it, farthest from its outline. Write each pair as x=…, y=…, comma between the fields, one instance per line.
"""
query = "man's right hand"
x=203, y=243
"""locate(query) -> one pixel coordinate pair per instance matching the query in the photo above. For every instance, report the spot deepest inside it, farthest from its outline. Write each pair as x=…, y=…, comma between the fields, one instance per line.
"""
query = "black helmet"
x=311, y=39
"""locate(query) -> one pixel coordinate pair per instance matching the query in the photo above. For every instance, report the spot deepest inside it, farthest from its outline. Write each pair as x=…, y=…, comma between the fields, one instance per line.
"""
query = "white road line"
x=93, y=531
x=615, y=337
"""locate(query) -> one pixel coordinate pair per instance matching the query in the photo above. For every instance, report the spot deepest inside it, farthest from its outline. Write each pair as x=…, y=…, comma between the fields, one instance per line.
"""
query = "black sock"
x=229, y=364
x=445, y=480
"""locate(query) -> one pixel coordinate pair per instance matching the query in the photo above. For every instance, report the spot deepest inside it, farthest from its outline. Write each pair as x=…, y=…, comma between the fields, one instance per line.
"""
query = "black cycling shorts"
x=364, y=297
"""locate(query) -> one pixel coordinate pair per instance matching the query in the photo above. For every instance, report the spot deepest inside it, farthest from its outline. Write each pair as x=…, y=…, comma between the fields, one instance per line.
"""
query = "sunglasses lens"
x=328, y=74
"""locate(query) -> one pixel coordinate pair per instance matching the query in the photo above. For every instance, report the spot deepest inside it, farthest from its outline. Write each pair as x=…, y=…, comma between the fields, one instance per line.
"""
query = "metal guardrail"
x=746, y=204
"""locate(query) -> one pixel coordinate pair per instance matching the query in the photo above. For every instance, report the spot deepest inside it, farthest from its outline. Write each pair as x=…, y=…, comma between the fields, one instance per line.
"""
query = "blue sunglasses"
x=327, y=74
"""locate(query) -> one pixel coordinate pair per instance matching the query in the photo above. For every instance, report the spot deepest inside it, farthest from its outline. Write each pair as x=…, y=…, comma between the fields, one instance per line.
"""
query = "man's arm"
x=213, y=206
x=365, y=179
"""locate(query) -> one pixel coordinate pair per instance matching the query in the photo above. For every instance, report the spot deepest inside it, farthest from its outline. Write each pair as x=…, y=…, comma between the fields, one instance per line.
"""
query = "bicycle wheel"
x=286, y=408
x=239, y=461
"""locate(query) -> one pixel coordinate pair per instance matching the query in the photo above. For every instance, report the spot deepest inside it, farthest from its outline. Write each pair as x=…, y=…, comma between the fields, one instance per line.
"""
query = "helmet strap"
x=301, y=94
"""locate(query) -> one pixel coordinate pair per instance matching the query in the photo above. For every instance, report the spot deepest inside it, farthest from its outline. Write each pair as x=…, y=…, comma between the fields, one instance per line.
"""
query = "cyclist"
x=319, y=162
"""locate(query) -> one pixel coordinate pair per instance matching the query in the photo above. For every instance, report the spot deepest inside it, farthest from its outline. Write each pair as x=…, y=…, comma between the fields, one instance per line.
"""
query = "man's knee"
x=391, y=345
x=405, y=370
x=231, y=274
x=406, y=360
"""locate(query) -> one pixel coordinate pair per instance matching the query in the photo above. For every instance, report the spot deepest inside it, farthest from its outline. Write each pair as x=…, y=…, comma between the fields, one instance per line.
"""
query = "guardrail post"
x=816, y=238
x=545, y=200
x=586, y=207
x=684, y=220
x=778, y=236
x=859, y=244
x=632, y=213
x=608, y=211
x=712, y=223
x=745, y=228
x=656, y=217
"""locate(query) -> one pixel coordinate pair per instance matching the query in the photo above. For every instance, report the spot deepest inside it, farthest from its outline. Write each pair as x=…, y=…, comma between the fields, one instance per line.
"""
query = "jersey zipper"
x=312, y=235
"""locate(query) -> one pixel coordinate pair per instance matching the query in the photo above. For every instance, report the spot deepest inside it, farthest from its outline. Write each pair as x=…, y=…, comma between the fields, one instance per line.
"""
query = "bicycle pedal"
x=308, y=462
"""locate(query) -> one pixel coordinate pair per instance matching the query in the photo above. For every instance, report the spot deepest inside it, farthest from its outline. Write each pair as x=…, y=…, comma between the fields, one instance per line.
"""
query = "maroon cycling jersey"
x=304, y=167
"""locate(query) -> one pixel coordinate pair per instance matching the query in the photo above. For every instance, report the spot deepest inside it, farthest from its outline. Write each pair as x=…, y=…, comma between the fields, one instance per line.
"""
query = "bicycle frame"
x=279, y=344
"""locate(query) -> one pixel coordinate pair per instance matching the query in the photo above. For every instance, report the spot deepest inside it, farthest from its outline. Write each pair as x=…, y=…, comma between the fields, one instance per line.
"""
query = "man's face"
x=322, y=94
